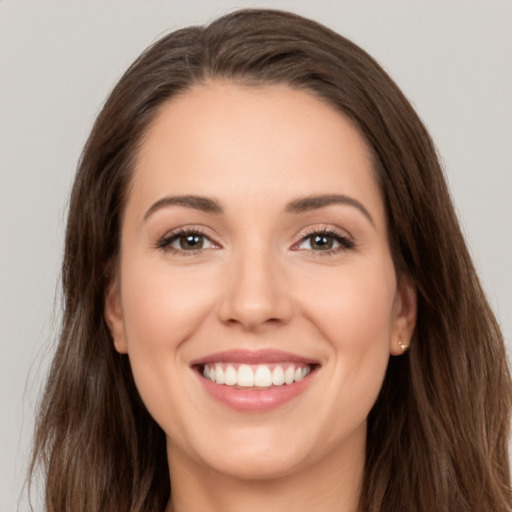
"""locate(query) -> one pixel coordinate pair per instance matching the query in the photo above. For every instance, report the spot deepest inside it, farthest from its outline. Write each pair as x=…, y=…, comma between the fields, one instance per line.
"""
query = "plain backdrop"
x=58, y=60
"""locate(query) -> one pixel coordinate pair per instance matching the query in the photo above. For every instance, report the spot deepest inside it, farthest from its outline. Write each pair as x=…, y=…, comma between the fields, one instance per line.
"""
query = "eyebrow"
x=303, y=204
x=309, y=203
x=204, y=204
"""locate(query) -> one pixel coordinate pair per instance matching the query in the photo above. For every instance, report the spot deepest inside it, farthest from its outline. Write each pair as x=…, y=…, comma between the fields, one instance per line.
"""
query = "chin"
x=261, y=466
x=252, y=454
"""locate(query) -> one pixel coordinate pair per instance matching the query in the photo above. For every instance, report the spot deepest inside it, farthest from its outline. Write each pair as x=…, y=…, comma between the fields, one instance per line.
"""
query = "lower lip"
x=255, y=400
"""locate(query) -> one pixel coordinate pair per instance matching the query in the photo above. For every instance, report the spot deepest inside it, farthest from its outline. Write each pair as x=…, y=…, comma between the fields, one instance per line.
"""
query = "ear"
x=405, y=310
x=113, y=313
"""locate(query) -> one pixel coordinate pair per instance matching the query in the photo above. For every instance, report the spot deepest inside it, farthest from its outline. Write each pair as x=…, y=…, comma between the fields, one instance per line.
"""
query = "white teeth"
x=219, y=374
x=289, y=374
x=245, y=376
x=278, y=376
x=261, y=376
x=230, y=376
x=300, y=373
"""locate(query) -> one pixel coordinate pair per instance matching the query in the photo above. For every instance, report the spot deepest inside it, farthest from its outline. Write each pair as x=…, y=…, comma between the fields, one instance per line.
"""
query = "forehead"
x=249, y=142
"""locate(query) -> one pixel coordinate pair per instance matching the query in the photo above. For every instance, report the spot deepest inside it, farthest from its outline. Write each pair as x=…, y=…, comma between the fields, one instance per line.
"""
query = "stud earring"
x=402, y=345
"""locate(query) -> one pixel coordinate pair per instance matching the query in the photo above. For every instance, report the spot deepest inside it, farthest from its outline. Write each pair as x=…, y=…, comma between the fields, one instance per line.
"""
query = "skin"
x=258, y=283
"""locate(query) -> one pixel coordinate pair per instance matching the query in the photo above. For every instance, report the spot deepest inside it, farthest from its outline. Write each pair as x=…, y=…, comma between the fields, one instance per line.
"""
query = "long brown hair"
x=438, y=433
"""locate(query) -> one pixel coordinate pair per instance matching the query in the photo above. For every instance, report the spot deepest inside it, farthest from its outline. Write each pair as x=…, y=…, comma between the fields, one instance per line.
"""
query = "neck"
x=332, y=484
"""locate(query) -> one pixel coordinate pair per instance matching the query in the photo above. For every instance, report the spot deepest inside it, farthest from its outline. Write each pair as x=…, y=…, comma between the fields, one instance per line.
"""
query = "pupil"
x=322, y=242
x=191, y=242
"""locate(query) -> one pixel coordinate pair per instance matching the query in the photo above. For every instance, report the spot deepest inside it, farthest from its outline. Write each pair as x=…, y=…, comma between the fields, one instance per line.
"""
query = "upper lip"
x=265, y=356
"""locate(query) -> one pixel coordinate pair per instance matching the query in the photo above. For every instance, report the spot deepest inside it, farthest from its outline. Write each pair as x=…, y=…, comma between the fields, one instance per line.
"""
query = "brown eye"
x=321, y=242
x=325, y=241
x=191, y=242
x=186, y=242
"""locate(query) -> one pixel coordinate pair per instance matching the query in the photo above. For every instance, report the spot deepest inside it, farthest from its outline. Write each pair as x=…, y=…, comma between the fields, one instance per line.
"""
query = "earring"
x=402, y=345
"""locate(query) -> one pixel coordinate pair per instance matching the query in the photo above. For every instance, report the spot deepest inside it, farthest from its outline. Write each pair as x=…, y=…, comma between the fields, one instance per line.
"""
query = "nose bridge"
x=255, y=291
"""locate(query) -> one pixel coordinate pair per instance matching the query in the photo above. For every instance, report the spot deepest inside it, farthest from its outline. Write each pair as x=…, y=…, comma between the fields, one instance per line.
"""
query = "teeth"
x=245, y=376
x=219, y=374
x=263, y=377
x=230, y=376
x=260, y=376
x=289, y=374
x=278, y=376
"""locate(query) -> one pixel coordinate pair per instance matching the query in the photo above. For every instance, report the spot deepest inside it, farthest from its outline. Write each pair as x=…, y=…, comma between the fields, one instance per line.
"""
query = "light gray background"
x=58, y=60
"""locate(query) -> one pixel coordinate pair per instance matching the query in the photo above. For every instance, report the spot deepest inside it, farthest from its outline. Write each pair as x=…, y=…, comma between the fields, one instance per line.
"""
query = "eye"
x=186, y=241
x=320, y=242
x=326, y=241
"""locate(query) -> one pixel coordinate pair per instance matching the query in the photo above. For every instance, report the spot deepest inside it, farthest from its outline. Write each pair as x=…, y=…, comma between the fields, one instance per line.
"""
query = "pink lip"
x=254, y=400
x=241, y=356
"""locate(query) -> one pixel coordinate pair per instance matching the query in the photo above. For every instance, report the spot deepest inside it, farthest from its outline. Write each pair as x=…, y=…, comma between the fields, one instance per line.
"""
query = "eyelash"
x=165, y=243
x=345, y=242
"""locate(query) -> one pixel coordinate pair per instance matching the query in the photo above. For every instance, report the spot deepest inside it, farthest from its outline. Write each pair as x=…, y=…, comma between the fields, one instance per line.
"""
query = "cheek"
x=162, y=310
x=354, y=305
x=162, y=307
x=354, y=311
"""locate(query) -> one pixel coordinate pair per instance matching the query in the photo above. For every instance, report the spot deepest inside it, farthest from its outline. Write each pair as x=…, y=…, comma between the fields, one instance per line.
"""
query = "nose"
x=255, y=293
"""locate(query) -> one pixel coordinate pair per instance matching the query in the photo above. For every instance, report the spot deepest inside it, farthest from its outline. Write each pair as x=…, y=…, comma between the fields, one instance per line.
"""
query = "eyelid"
x=164, y=243
x=341, y=236
x=345, y=240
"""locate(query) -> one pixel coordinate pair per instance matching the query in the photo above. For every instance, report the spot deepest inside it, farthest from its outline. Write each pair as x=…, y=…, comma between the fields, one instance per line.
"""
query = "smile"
x=255, y=376
x=249, y=381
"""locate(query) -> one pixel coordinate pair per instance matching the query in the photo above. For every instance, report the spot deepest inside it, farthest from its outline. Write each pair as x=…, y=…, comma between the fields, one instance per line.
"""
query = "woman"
x=258, y=222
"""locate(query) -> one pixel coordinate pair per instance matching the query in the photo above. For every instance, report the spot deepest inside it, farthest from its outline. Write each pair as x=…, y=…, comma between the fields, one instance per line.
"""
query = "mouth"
x=261, y=376
x=250, y=381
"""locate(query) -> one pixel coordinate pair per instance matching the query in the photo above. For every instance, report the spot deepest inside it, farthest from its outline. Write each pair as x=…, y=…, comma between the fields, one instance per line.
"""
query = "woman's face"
x=254, y=250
